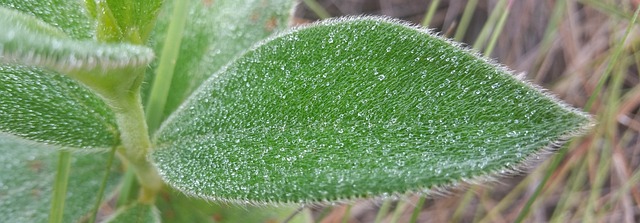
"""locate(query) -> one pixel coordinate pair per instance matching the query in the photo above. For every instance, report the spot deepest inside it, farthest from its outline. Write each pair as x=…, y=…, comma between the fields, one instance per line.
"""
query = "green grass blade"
x=103, y=186
x=467, y=14
x=432, y=11
x=498, y=29
x=417, y=209
x=317, y=9
x=164, y=73
x=383, y=211
x=60, y=187
x=489, y=25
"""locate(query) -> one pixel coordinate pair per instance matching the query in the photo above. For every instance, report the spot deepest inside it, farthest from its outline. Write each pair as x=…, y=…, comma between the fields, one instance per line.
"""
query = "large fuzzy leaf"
x=215, y=33
x=51, y=108
x=350, y=108
x=26, y=182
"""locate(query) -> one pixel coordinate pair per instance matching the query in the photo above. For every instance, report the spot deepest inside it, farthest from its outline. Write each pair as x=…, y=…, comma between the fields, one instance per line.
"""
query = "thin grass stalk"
x=596, y=186
x=611, y=125
x=317, y=9
x=489, y=25
x=432, y=11
x=506, y=202
x=347, y=214
x=462, y=206
x=550, y=33
x=498, y=29
x=103, y=186
x=469, y=9
x=400, y=207
x=167, y=63
x=575, y=182
x=383, y=211
x=127, y=186
x=60, y=187
x=417, y=209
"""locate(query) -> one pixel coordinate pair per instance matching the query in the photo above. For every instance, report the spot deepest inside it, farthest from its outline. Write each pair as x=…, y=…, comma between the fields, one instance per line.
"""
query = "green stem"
x=464, y=21
x=317, y=9
x=382, y=212
x=136, y=145
x=400, y=207
x=417, y=209
x=167, y=64
x=430, y=13
x=60, y=187
x=489, y=25
x=347, y=214
x=126, y=188
x=498, y=30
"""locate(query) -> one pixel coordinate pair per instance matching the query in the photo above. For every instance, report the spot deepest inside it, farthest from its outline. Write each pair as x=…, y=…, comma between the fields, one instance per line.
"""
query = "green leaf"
x=51, y=108
x=68, y=16
x=26, y=181
x=215, y=33
x=29, y=41
x=135, y=213
x=135, y=19
x=358, y=107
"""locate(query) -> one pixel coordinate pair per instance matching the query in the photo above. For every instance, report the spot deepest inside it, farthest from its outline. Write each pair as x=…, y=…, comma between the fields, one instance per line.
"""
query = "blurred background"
x=583, y=51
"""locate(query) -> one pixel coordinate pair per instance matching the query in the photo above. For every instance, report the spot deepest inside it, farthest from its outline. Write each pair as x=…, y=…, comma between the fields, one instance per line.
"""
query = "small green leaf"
x=26, y=181
x=29, y=41
x=358, y=107
x=135, y=19
x=135, y=213
x=215, y=33
x=51, y=108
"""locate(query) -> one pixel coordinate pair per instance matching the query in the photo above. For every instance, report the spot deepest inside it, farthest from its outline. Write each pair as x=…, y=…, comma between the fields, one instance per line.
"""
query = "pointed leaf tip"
x=356, y=107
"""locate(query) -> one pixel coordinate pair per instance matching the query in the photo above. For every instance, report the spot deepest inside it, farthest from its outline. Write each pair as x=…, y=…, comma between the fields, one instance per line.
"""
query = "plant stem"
x=164, y=73
x=430, y=12
x=127, y=188
x=464, y=21
x=418, y=209
x=498, y=29
x=317, y=9
x=136, y=145
x=96, y=207
x=60, y=187
x=383, y=211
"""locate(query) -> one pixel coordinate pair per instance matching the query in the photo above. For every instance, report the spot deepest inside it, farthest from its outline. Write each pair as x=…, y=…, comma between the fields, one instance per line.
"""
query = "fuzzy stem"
x=136, y=144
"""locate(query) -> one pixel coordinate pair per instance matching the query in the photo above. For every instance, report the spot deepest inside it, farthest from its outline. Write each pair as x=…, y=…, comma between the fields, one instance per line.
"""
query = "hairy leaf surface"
x=351, y=108
x=27, y=172
x=215, y=33
x=68, y=16
x=30, y=41
x=47, y=107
